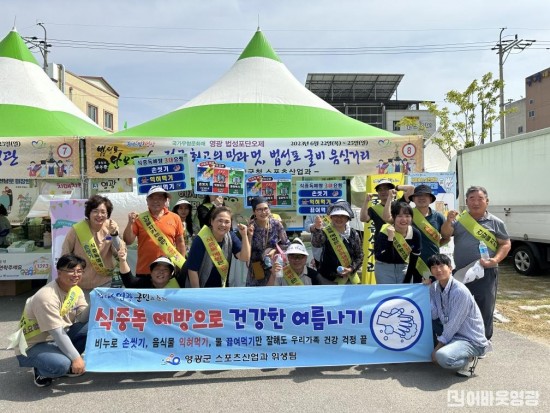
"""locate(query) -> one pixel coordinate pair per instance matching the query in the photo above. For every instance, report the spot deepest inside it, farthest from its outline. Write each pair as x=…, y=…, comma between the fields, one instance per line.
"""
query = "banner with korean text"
x=306, y=157
x=211, y=328
x=39, y=158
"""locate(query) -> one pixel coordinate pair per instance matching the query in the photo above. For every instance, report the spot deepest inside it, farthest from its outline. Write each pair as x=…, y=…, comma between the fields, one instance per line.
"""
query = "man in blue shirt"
x=458, y=325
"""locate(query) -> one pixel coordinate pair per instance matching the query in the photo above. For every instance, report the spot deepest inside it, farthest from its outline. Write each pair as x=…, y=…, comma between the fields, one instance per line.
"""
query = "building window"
x=92, y=112
x=531, y=101
x=107, y=120
x=531, y=113
x=396, y=125
x=520, y=129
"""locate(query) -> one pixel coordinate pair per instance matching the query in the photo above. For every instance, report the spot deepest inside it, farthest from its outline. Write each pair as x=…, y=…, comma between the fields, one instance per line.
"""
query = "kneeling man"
x=457, y=321
x=54, y=326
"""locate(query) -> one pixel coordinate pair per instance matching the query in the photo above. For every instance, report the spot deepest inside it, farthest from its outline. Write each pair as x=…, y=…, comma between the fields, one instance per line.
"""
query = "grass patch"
x=526, y=302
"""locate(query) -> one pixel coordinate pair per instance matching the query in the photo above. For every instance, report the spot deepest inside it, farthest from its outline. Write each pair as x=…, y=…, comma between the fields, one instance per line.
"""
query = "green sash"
x=478, y=231
x=91, y=249
x=290, y=276
x=158, y=237
x=427, y=229
x=215, y=253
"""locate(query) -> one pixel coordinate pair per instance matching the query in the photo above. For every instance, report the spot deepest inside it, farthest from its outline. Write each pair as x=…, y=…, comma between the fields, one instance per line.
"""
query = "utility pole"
x=504, y=48
x=41, y=45
x=45, y=54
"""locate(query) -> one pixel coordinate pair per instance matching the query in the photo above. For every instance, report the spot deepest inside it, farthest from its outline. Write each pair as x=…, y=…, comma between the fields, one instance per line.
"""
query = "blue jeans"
x=456, y=354
x=389, y=273
x=48, y=359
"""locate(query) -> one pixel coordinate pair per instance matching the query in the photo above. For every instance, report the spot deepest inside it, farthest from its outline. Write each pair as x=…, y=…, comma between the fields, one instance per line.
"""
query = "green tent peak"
x=259, y=47
x=14, y=46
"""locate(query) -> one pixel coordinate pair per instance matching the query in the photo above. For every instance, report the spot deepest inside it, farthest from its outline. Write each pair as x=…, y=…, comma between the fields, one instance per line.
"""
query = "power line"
x=324, y=51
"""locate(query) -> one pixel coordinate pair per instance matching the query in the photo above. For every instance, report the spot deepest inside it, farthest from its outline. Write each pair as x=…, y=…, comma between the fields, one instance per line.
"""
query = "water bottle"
x=279, y=260
x=483, y=250
x=267, y=262
x=340, y=269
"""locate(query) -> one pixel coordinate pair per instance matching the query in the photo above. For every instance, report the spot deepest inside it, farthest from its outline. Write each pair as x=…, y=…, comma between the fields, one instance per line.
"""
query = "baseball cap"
x=164, y=260
x=156, y=190
x=384, y=182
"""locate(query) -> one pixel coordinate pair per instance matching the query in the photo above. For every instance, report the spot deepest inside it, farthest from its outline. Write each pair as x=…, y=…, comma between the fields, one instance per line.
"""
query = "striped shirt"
x=458, y=312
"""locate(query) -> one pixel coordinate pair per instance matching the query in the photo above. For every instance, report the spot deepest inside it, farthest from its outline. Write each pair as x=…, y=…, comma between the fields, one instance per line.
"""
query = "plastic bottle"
x=267, y=262
x=483, y=250
x=279, y=260
x=340, y=269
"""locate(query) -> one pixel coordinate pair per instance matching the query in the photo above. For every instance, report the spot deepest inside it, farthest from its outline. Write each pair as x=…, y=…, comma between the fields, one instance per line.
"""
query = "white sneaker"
x=469, y=368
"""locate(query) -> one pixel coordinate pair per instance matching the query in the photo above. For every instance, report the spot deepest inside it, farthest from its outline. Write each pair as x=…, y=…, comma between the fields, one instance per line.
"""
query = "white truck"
x=515, y=172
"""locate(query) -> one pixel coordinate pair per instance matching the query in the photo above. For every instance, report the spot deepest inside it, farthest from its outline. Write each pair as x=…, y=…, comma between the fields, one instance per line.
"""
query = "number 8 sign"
x=408, y=150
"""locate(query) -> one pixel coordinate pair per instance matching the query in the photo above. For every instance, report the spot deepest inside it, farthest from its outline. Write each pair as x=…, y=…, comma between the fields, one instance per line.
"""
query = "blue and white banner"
x=212, y=328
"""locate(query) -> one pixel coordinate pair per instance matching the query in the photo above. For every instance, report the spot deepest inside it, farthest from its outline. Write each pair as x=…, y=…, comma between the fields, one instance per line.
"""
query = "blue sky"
x=152, y=84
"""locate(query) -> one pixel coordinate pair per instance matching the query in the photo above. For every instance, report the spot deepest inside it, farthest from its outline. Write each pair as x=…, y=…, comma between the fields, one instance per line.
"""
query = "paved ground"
x=517, y=365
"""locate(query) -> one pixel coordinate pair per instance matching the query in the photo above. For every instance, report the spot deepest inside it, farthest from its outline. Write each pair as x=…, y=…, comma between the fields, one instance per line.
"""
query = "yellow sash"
x=87, y=241
x=404, y=251
x=422, y=268
x=478, y=231
x=399, y=243
x=215, y=253
x=161, y=240
x=342, y=254
x=379, y=209
x=290, y=276
x=427, y=229
x=29, y=328
x=172, y=283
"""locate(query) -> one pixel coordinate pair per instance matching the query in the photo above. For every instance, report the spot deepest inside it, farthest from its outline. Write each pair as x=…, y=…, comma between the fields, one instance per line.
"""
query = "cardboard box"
x=14, y=287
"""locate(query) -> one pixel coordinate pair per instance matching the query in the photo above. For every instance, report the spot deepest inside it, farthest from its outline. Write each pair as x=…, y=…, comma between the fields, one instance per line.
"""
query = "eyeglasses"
x=73, y=272
x=262, y=209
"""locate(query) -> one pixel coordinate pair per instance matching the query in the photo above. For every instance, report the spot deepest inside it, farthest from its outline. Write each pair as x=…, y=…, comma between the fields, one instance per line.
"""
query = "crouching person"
x=457, y=322
x=54, y=326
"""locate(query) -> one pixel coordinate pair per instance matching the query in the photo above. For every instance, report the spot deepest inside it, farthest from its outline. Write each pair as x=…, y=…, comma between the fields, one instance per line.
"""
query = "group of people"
x=54, y=319
x=407, y=245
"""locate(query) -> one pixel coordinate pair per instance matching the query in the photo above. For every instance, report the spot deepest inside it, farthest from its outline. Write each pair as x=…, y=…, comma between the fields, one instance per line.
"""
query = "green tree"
x=475, y=111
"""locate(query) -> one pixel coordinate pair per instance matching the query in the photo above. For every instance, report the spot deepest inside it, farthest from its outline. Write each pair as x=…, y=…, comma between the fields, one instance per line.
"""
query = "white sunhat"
x=297, y=247
x=156, y=190
x=339, y=211
x=182, y=201
x=164, y=260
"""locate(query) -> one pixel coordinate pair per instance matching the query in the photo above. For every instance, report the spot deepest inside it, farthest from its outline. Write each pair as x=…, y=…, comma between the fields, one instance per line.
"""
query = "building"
x=367, y=97
x=516, y=118
x=93, y=95
x=537, y=100
x=532, y=112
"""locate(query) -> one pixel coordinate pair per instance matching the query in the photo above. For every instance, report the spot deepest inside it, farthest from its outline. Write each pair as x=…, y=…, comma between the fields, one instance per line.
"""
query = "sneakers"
x=41, y=381
x=469, y=368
